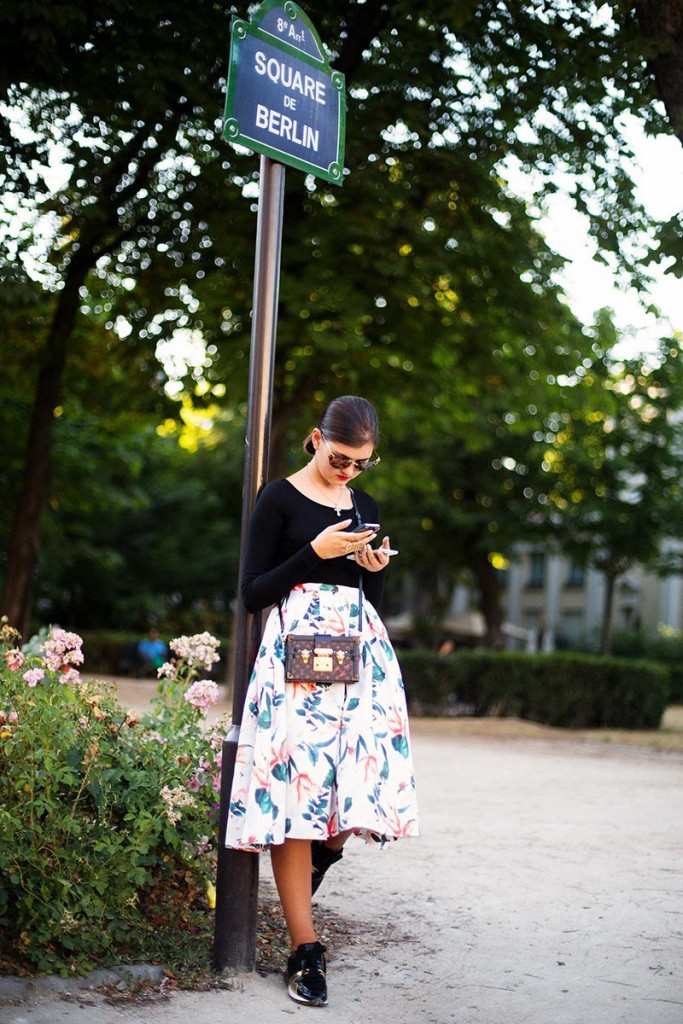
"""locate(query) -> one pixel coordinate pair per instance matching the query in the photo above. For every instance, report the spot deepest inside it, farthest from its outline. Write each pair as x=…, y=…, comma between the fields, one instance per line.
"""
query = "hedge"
x=576, y=691
x=666, y=648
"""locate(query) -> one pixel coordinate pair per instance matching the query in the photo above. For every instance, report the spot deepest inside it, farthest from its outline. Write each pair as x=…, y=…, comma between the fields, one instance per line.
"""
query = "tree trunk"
x=489, y=591
x=24, y=541
x=98, y=236
x=282, y=415
x=608, y=613
x=661, y=23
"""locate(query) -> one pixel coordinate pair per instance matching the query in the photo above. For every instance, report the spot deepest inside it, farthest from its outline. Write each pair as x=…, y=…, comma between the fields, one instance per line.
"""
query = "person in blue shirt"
x=152, y=652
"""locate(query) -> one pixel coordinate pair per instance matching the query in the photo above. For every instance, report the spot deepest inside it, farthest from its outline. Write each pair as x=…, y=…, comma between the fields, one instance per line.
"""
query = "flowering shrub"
x=99, y=809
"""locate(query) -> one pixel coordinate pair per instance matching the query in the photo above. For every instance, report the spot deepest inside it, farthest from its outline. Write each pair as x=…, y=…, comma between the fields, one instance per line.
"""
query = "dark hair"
x=348, y=420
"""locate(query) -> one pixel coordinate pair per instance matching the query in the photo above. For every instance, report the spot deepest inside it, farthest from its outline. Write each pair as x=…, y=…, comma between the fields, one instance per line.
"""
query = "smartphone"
x=366, y=526
x=385, y=551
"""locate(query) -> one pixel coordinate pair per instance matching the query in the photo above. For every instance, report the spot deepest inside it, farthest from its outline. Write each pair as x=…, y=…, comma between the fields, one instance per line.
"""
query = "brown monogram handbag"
x=321, y=658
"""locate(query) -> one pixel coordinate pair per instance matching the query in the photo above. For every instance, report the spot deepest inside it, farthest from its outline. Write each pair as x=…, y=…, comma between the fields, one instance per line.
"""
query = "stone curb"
x=47, y=985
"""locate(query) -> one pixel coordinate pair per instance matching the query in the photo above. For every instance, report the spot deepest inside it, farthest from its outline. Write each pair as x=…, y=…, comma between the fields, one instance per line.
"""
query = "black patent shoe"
x=322, y=858
x=306, y=982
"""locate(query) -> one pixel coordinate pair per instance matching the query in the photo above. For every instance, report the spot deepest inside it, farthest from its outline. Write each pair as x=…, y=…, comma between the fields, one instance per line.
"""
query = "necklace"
x=337, y=506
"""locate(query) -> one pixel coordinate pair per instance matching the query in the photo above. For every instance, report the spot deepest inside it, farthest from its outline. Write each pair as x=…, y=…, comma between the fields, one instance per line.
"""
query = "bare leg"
x=337, y=842
x=292, y=871
x=306, y=966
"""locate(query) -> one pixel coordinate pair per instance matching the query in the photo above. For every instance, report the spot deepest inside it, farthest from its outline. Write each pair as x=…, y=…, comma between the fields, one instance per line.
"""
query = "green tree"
x=471, y=481
x=123, y=112
x=617, y=465
x=153, y=225
x=140, y=530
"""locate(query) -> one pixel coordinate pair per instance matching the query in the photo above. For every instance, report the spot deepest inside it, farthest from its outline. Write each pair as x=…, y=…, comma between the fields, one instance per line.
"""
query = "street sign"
x=283, y=99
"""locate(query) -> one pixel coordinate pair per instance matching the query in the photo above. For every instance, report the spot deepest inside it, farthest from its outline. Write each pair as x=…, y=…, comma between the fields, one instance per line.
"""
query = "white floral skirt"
x=313, y=761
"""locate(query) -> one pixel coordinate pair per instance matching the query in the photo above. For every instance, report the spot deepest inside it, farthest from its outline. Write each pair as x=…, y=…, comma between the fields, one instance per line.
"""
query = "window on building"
x=576, y=575
x=572, y=629
x=536, y=569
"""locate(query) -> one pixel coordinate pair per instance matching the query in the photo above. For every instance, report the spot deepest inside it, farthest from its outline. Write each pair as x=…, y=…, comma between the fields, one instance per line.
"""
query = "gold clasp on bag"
x=322, y=659
x=340, y=657
x=305, y=655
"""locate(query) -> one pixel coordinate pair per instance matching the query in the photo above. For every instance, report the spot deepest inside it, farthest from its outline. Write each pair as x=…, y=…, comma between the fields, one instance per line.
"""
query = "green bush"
x=664, y=647
x=99, y=811
x=572, y=690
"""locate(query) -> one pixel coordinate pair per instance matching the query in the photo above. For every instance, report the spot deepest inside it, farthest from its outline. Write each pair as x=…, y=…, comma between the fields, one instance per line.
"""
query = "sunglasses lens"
x=339, y=462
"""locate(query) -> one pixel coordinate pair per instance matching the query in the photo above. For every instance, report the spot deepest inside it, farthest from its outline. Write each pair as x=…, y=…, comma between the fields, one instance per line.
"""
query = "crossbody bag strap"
x=360, y=571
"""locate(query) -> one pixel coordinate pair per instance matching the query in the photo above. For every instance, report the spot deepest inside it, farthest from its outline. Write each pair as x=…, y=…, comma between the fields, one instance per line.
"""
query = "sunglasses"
x=337, y=461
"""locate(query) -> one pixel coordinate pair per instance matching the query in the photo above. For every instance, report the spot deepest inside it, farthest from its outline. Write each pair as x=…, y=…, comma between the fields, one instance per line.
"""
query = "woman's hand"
x=372, y=559
x=336, y=541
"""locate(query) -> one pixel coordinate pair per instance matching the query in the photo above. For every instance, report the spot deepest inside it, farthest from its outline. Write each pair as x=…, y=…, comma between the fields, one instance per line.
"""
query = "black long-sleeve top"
x=279, y=553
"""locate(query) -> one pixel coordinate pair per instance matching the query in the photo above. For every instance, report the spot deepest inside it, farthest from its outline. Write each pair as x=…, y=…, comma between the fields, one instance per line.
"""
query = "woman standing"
x=318, y=763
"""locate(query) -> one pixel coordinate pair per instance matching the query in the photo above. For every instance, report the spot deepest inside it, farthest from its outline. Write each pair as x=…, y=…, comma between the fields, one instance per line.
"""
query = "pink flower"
x=198, y=650
x=202, y=694
x=33, y=676
x=70, y=675
x=15, y=659
x=62, y=649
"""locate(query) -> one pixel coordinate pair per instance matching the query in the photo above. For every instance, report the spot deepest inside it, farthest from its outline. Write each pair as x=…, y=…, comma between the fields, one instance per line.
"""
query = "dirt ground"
x=546, y=889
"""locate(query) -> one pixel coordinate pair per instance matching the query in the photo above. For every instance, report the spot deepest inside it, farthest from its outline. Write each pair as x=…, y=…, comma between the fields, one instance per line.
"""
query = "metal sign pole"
x=237, y=872
x=283, y=100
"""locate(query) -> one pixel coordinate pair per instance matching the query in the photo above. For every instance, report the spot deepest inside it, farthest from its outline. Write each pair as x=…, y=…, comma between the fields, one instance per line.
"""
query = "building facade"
x=561, y=605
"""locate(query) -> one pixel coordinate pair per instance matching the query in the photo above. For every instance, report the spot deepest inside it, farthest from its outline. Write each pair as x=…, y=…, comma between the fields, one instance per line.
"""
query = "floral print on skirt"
x=313, y=761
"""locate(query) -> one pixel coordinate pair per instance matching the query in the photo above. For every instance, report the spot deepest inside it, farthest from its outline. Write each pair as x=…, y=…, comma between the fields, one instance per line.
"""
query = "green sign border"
x=240, y=29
